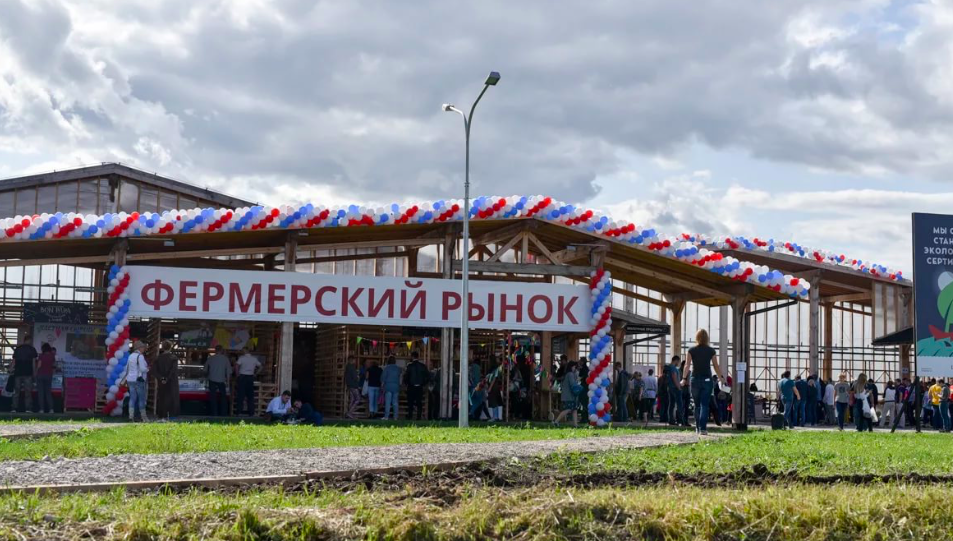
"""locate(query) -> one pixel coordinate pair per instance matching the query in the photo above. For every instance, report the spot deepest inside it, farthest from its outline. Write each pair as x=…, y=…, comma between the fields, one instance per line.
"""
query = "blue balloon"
x=592, y=409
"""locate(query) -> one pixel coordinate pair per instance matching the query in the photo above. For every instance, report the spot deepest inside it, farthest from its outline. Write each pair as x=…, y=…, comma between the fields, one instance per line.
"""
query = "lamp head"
x=447, y=107
x=492, y=78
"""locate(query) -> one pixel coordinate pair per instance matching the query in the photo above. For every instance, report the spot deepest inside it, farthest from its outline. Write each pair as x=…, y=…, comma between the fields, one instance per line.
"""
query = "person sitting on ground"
x=304, y=414
x=478, y=402
x=279, y=409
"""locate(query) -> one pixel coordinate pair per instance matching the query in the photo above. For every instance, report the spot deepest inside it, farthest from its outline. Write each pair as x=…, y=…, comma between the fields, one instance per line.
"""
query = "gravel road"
x=124, y=468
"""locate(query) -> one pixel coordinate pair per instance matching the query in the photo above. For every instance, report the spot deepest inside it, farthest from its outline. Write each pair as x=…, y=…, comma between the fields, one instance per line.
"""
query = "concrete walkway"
x=291, y=462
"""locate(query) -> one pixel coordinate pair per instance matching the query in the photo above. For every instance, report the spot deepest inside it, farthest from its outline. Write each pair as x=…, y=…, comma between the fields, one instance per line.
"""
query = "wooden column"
x=286, y=352
x=739, y=363
x=813, y=337
x=723, y=339
x=906, y=301
x=546, y=360
x=827, y=367
x=446, y=335
x=618, y=344
x=678, y=309
x=663, y=346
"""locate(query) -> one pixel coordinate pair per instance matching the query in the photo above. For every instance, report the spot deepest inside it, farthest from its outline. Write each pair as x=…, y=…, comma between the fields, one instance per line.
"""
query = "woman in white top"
x=136, y=375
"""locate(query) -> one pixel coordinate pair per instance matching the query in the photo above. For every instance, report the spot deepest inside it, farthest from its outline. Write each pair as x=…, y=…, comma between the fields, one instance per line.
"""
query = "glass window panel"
x=31, y=279
x=168, y=201
x=148, y=199
x=88, y=192
x=323, y=268
x=46, y=199
x=345, y=268
x=365, y=267
x=26, y=201
x=66, y=196
x=105, y=200
x=128, y=197
x=6, y=204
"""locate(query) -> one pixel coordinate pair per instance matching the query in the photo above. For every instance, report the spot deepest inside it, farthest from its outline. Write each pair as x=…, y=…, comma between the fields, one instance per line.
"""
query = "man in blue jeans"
x=789, y=394
x=800, y=400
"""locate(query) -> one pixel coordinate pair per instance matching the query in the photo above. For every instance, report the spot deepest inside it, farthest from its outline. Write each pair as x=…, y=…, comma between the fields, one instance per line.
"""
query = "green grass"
x=197, y=437
x=791, y=512
x=809, y=453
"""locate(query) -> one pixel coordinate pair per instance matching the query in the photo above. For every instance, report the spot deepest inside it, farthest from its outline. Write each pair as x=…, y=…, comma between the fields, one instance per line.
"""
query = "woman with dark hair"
x=862, y=413
x=44, y=378
x=701, y=359
x=569, y=390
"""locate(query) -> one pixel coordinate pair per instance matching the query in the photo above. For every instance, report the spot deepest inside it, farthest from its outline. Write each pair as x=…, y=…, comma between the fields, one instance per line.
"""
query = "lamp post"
x=463, y=413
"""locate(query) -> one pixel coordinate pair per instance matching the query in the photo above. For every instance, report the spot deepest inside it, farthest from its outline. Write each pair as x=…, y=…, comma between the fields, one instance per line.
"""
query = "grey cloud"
x=347, y=93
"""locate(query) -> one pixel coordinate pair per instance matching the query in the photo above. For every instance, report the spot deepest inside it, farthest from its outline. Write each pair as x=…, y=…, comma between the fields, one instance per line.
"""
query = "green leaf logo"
x=944, y=302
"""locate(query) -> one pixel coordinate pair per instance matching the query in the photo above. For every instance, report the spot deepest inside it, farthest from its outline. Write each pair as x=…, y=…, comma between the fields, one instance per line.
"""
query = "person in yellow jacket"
x=934, y=393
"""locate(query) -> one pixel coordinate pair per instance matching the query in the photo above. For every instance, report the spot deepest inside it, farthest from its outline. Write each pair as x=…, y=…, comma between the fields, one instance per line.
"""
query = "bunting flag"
x=374, y=343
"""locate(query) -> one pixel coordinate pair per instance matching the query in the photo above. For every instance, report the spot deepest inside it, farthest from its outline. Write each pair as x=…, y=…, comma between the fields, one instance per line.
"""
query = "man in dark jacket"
x=800, y=405
x=416, y=378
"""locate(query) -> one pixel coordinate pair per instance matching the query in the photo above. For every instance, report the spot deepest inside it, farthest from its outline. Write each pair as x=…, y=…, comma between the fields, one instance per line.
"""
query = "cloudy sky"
x=823, y=122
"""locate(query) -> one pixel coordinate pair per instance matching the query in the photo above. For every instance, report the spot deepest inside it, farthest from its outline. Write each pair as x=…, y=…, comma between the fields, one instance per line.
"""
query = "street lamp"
x=463, y=408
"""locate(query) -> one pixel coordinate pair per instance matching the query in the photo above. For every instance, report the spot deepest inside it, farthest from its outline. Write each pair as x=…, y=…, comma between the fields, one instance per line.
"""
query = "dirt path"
x=286, y=462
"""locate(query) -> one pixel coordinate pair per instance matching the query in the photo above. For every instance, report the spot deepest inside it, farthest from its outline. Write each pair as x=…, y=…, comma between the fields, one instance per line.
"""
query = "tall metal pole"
x=463, y=409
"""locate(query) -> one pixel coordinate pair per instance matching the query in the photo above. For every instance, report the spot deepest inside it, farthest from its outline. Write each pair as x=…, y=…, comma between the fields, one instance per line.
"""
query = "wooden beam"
x=417, y=242
x=852, y=297
x=205, y=253
x=543, y=249
x=505, y=248
x=843, y=308
x=351, y=257
x=661, y=276
x=506, y=232
x=517, y=268
x=485, y=277
x=632, y=294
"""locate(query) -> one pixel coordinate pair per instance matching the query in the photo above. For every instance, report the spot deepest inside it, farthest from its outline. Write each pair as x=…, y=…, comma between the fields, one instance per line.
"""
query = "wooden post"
x=723, y=339
x=286, y=353
x=814, y=298
x=906, y=300
x=827, y=368
x=678, y=308
x=618, y=343
x=446, y=336
x=546, y=359
x=663, y=346
x=739, y=363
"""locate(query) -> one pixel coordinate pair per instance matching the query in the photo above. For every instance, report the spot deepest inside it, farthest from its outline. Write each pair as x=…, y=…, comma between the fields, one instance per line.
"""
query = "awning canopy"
x=897, y=338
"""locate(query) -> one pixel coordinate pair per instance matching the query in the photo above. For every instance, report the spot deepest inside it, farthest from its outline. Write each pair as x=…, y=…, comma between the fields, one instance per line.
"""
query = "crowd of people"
x=689, y=387
x=862, y=404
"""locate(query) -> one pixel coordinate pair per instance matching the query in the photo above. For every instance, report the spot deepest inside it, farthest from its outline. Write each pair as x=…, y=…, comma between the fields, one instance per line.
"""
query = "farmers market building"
x=370, y=283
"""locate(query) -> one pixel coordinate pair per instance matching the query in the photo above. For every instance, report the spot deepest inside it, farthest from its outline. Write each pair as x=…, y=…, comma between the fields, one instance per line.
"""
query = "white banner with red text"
x=184, y=293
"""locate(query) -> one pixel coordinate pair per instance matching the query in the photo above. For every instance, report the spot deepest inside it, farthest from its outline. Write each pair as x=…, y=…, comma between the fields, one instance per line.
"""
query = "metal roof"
x=107, y=169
